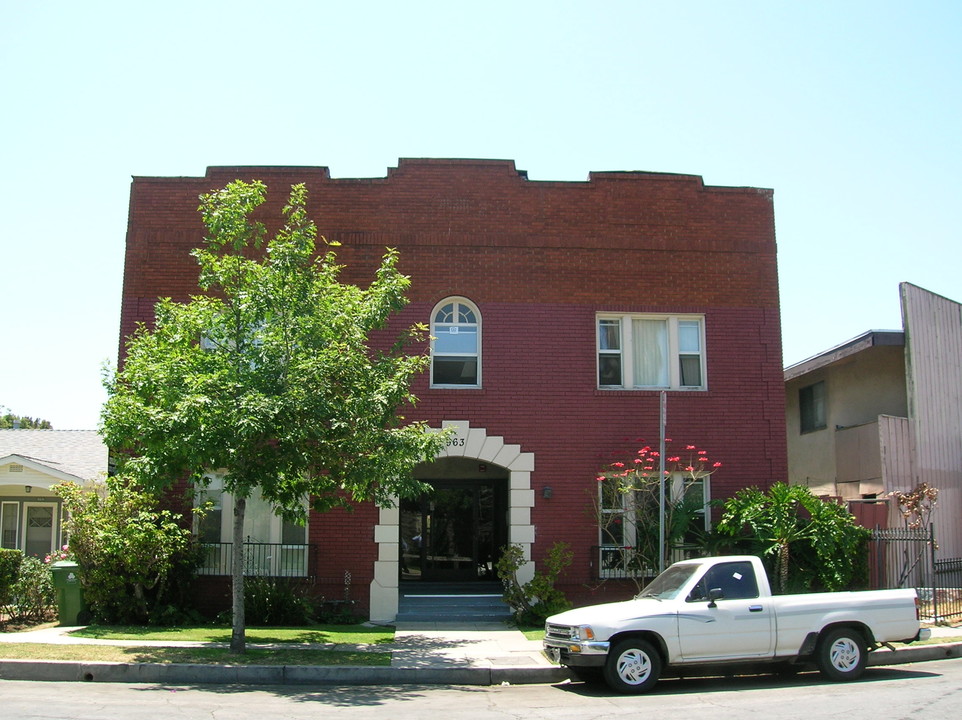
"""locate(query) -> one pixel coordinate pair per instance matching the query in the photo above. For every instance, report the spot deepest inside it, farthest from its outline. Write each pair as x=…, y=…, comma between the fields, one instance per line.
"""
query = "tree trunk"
x=783, y=566
x=238, y=640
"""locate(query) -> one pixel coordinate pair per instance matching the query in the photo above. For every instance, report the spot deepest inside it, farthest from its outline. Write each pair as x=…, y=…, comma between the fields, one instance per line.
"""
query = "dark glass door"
x=452, y=533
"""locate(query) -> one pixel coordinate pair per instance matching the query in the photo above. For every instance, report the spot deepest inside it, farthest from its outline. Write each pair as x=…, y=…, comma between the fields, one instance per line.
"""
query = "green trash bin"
x=71, y=607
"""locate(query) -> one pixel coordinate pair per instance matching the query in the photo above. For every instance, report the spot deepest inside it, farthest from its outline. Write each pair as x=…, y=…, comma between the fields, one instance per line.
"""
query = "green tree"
x=9, y=420
x=788, y=521
x=271, y=377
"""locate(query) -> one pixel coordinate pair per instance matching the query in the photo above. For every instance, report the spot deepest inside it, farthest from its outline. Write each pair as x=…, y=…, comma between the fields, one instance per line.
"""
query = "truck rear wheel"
x=633, y=666
x=841, y=654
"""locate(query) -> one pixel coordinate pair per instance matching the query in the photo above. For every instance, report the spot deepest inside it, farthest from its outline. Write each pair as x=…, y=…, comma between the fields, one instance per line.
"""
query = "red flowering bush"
x=57, y=555
x=628, y=507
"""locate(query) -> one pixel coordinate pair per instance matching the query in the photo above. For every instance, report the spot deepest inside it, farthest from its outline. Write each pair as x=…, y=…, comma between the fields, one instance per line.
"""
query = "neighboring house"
x=561, y=310
x=883, y=413
x=31, y=462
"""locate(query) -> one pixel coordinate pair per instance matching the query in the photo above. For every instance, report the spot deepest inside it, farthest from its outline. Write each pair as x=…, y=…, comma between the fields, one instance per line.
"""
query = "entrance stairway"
x=469, y=602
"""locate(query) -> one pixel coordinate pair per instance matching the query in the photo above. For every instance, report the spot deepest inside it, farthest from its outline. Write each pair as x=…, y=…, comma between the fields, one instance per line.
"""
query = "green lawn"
x=322, y=634
x=204, y=656
x=361, y=641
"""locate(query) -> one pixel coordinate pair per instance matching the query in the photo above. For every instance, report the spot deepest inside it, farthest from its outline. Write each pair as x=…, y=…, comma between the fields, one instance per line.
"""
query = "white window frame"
x=606, y=548
x=453, y=328
x=10, y=510
x=626, y=351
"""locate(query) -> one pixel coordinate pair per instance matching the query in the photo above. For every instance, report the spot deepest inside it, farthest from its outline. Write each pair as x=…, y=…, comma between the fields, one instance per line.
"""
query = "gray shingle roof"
x=80, y=453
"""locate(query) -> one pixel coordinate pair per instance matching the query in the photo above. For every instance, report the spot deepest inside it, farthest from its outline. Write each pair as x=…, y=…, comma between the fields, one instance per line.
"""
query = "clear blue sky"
x=851, y=111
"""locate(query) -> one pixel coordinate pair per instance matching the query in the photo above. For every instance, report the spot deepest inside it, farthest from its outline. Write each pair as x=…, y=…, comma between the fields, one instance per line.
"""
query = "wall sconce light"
x=27, y=488
x=546, y=492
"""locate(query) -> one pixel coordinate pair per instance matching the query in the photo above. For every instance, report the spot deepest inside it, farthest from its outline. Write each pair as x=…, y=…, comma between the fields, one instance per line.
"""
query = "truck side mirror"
x=713, y=595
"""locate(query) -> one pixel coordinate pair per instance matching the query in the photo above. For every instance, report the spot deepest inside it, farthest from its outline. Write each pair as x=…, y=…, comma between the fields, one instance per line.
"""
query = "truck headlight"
x=583, y=632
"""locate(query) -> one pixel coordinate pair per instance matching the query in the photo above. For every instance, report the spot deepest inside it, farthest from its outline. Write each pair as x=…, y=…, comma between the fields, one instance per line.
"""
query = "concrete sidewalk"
x=423, y=654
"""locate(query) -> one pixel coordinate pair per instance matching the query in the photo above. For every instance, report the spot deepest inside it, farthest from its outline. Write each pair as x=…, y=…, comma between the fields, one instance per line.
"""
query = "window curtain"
x=650, y=351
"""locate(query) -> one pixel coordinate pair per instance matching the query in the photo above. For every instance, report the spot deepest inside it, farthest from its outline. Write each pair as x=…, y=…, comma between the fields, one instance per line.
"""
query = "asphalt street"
x=928, y=689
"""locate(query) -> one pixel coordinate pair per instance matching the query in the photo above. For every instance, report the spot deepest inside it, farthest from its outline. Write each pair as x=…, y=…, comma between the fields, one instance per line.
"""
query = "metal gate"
x=906, y=557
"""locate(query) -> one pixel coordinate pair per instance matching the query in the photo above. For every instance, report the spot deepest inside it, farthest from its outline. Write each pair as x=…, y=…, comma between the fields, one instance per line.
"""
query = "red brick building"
x=561, y=309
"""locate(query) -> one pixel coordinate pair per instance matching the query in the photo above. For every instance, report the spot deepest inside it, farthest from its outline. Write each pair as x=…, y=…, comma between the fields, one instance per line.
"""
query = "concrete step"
x=481, y=602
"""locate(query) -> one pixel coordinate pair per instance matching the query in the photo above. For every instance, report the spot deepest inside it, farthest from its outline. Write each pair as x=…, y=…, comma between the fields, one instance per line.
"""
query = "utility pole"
x=662, y=420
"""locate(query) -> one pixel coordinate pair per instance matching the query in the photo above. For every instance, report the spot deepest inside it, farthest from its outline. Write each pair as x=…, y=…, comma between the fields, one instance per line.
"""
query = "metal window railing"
x=612, y=562
x=264, y=559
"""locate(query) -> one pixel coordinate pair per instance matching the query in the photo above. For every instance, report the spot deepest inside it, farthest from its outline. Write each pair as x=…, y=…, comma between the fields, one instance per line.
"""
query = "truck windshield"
x=667, y=585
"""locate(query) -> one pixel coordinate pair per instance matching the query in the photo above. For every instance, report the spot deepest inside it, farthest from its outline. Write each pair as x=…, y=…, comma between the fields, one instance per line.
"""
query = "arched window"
x=456, y=348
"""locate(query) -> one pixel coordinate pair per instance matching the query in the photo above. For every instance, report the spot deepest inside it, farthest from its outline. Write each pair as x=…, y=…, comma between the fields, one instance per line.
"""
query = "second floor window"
x=651, y=351
x=811, y=405
x=456, y=344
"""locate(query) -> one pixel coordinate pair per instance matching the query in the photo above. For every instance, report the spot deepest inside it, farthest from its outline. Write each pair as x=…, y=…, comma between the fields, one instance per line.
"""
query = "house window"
x=811, y=404
x=651, y=351
x=273, y=546
x=617, y=529
x=9, y=523
x=629, y=532
x=690, y=498
x=456, y=344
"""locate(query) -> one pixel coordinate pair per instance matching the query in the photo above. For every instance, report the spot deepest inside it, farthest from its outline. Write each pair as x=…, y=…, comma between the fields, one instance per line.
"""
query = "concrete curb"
x=922, y=653
x=186, y=674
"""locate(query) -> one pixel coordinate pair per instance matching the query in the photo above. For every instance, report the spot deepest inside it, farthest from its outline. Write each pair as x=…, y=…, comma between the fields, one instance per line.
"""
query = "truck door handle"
x=755, y=608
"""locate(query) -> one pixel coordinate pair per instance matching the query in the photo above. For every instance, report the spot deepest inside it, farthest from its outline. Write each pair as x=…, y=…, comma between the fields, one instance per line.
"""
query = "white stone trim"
x=477, y=444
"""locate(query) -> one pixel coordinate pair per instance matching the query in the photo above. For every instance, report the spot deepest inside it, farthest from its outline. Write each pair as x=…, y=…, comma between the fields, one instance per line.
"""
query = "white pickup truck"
x=721, y=610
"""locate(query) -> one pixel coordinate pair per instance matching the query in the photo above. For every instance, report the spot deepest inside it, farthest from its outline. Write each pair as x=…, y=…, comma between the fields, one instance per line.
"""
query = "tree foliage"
x=135, y=560
x=271, y=377
x=809, y=543
x=9, y=420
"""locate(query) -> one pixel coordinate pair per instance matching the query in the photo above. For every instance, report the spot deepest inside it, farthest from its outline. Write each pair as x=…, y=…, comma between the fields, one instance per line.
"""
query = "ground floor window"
x=9, y=525
x=629, y=523
x=273, y=546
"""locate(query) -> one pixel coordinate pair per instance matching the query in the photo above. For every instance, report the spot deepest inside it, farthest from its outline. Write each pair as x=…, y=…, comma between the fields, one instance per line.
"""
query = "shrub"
x=537, y=598
x=32, y=596
x=135, y=561
x=808, y=544
x=276, y=601
x=10, y=561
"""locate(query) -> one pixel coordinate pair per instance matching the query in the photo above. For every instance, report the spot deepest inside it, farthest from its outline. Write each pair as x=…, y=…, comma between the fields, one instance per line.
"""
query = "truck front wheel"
x=633, y=666
x=841, y=654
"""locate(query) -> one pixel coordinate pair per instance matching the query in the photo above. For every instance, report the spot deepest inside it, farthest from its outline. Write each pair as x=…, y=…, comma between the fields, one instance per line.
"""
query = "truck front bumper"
x=576, y=653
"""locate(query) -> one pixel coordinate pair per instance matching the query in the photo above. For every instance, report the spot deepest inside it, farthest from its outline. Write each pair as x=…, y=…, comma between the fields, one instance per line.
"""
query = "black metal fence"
x=612, y=562
x=906, y=557
x=263, y=559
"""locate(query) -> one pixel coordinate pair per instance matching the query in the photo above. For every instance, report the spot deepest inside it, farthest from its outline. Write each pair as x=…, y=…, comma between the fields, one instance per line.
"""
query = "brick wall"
x=539, y=259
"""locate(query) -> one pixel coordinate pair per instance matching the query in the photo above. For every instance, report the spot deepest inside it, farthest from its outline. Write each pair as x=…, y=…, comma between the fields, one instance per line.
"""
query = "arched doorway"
x=508, y=464
x=456, y=531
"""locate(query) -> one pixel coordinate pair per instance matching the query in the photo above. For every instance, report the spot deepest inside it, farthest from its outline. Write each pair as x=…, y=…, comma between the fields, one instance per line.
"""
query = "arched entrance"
x=479, y=478
x=456, y=531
